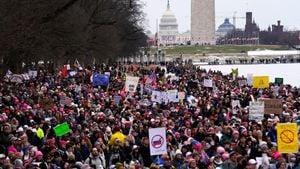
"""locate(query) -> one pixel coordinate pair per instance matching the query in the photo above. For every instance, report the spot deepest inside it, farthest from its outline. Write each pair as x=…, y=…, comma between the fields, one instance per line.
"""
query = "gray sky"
x=265, y=12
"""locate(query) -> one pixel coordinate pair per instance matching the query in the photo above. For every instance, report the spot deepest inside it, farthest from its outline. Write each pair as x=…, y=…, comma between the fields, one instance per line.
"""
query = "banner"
x=100, y=79
x=66, y=101
x=278, y=80
x=287, y=137
x=158, y=142
x=173, y=96
x=131, y=83
x=208, y=83
x=273, y=106
x=261, y=82
x=256, y=110
x=61, y=129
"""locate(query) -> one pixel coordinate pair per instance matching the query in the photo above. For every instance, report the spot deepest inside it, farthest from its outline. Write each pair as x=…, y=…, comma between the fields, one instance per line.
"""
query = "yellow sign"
x=287, y=137
x=261, y=82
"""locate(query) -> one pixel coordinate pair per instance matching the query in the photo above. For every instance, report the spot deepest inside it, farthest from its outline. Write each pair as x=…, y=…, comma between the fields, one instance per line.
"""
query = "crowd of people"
x=108, y=134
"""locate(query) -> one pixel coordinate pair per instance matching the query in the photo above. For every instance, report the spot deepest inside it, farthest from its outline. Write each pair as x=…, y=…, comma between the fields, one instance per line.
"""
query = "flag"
x=151, y=79
x=235, y=71
x=64, y=71
x=77, y=65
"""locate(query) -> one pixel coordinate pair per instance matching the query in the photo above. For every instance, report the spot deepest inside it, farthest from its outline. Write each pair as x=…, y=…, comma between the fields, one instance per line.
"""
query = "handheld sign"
x=287, y=137
x=61, y=129
x=158, y=142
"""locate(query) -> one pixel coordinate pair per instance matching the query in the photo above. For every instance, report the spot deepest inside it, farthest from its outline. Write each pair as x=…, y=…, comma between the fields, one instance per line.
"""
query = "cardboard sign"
x=158, y=142
x=117, y=100
x=287, y=137
x=256, y=110
x=235, y=104
x=273, y=106
x=131, y=83
x=261, y=82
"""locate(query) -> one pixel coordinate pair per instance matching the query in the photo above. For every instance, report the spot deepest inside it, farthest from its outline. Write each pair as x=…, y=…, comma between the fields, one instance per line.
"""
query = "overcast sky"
x=265, y=12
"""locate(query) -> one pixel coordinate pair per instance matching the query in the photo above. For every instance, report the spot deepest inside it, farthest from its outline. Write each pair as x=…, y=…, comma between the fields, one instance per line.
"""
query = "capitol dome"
x=225, y=28
x=168, y=27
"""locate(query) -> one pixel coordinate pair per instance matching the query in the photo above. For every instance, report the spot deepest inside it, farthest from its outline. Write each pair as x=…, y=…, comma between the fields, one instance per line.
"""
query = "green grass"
x=216, y=49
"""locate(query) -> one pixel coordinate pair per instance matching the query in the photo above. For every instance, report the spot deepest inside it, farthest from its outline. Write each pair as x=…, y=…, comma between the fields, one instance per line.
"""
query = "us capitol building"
x=168, y=30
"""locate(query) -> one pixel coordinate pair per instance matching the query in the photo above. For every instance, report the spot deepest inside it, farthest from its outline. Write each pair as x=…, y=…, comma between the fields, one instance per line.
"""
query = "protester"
x=107, y=126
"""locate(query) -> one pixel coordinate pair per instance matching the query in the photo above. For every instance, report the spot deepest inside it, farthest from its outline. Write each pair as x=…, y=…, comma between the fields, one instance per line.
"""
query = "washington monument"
x=203, y=22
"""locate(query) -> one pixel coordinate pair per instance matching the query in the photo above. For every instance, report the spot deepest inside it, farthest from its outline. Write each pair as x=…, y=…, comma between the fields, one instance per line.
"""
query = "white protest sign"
x=164, y=97
x=256, y=110
x=158, y=142
x=208, y=83
x=131, y=83
x=32, y=73
x=156, y=96
x=173, y=96
x=107, y=73
x=235, y=104
x=250, y=79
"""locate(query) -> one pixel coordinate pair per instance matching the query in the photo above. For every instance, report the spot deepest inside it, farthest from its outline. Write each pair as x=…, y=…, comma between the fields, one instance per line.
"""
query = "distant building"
x=272, y=35
x=183, y=38
x=277, y=28
x=251, y=28
x=248, y=36
x=224, y=29
x=203, y=22
x=168, y=28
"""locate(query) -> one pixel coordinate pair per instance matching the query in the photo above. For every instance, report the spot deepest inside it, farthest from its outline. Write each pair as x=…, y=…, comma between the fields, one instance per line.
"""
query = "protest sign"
x=15, y=78
x=249, y=79
x=256, y=110
x=131, y=83
x=173, y=96
x=235, y=104
x=100, y=79
x=32, y=73
x=65, y=101
x=242, y=82
x=260, y=82
x=117, y=100
x=273, y=106
x=278, y=80
x=287, y=137
x=158, y=142
x=208, y=83
x=61, y=129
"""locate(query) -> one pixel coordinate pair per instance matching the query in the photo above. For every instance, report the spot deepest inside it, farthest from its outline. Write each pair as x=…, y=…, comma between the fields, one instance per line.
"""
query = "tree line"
x=59, y=31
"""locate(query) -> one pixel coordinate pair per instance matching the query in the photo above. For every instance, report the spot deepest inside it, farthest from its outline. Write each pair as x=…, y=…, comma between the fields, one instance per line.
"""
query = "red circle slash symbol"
x=287, y=136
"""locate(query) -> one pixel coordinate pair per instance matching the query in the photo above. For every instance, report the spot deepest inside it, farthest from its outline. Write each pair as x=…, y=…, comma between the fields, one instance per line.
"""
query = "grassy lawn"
x=216, y=49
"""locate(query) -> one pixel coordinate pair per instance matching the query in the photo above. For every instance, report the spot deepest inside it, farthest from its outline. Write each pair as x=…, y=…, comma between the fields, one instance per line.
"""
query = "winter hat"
x=38, y=153
x=220, y=150
x=276, y=155
x=18, y=163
